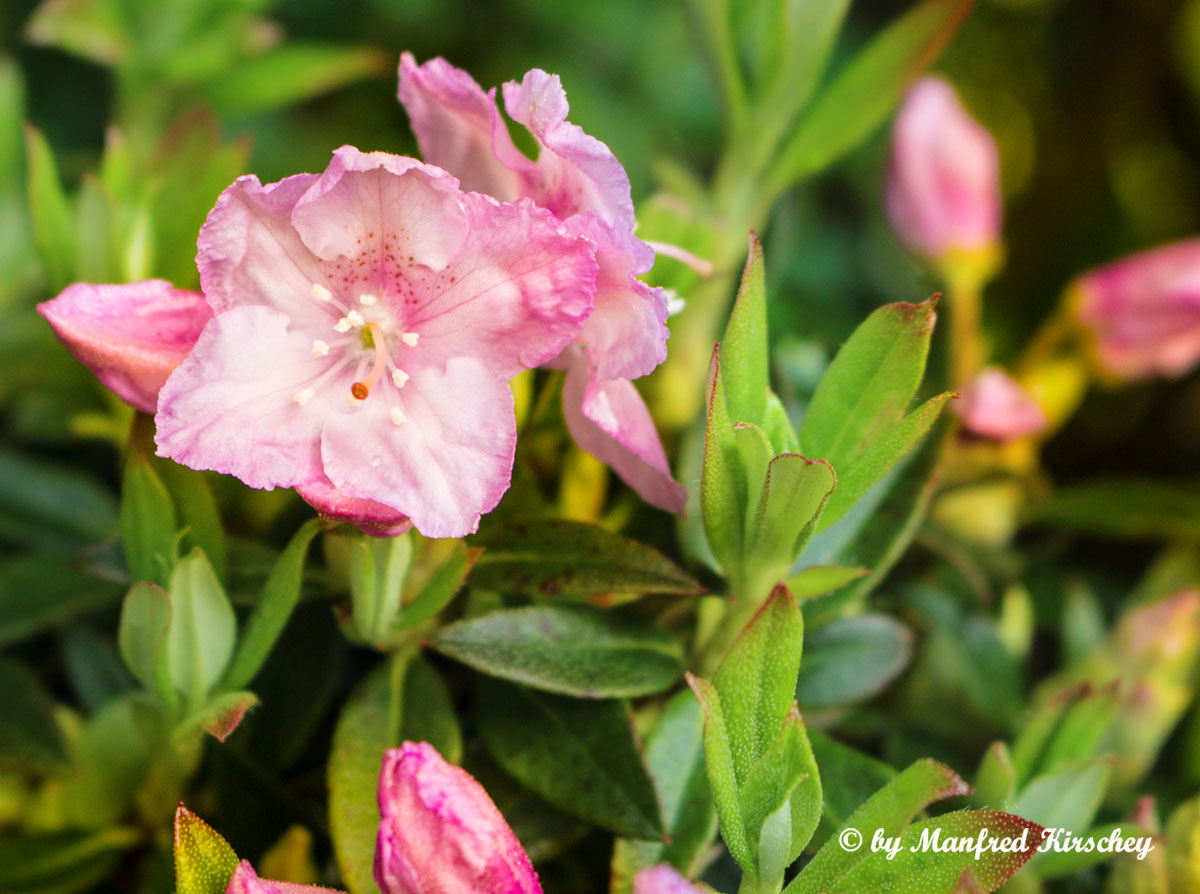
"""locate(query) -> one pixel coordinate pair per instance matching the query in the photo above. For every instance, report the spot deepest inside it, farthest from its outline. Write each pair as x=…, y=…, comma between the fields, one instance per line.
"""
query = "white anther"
x=319, y=348
x=367, y=300
x=355, y=318
x=321, y=293
x=399, y=377
x=342, y=325
x=410, y=339
x=398, y=417
x=303, y=397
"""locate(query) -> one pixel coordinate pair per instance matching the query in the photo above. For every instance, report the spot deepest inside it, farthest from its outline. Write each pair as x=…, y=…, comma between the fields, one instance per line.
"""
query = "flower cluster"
x=358, y=328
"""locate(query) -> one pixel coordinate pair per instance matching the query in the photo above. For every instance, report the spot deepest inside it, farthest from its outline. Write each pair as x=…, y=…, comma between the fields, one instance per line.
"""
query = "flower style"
x=131, y=336
x=996, y=407
x=1142, y=313
x=366, y=321
x=578, y=179
x=943, y=188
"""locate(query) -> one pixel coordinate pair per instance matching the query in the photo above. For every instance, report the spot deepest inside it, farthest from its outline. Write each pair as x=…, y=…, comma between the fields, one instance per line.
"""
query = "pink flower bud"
x=246, y=881
x=662, y=879
x=131, y=336
x=440, y=832
x=943, y=189
x=995, y=407
x=1142, y=313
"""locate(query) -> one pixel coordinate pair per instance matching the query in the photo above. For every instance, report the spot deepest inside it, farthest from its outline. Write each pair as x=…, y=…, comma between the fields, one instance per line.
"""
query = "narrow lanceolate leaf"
x=757, y=679
x=567, y=558
x=49, y=212
x=579, y=755
x=869, y=87
x=63, y=862
x=885, y=451
x=147, y=522
x=142, y=637
x=275, y=605
x=790, y=508
x=722, y=777
x=817, y=580
x=574, y=650
x=204, y=861
x=889, y=809
x=852, y=658
x=744, y=346
x=870, y=383
x=197, y=510
x=938, y=856
x=755, y=450
x=203, y=627
x=440, y=588
x=723, y=482
x=995, y=780
x=31, y=739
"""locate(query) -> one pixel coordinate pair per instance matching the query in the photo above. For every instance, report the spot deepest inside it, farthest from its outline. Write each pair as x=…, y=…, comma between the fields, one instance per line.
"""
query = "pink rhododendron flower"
x=439, y=831
x=1142, y=313
x=131, y=336
x=996, y=407
x=943, y=188
x=579, y=180
x=246, y=881
x=366, y=323
x=662, y=879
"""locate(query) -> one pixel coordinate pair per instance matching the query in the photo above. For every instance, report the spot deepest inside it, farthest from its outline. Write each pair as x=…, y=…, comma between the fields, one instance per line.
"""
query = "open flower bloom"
x=1142, y=313
x=943, y=186
x=131, y=336
x=366, y=323
x=996, y=407
x=578, y=179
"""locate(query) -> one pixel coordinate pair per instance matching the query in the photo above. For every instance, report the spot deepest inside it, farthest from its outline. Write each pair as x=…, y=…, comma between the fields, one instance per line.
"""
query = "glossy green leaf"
x=757, y=679
x=890, y=809
x=62, y=862
x=203, y=627
x=852, y=658
x=723, y=481
x=817, y=580
x=722, y=774
x=863, y=93
x=50, y=212
x=31, y=739
x=50, y=505
x=147, y=522
x=547, y=557
x=996, y=779
x=204, y=861
x=744, y=345
x=142, y=637
x=272, y=610
x=578, y=754
x=1125, y=508
x=197, y=511
x=794, y=496
x=573, y=650
x=40, y=592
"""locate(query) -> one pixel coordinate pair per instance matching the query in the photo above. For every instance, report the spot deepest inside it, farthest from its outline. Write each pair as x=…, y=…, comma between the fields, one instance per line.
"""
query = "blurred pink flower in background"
x=662, y=879
x=943, y=186
x=996, y=407
x=1142, y=313
x=579, y=180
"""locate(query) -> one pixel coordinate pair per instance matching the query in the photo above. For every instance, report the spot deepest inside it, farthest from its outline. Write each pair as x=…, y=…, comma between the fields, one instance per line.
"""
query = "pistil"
x=362, y=388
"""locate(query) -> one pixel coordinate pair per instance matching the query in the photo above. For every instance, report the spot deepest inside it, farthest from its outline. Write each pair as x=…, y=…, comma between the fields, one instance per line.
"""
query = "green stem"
x=966, y=336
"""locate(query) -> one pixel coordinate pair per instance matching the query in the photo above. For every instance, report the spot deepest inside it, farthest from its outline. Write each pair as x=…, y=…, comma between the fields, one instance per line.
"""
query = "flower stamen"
x=410, y=339
x=398, y=417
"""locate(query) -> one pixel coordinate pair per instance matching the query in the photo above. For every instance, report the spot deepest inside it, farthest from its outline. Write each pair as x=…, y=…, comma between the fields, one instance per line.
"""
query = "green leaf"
x=1049, y=737
x=851, y=659
x=50, y=212
x=869, y=384
x=62, y=862
x=675, y=758
x=197, y=510
x=723, y=480
x=794, y=495
x=1124, y=508
x=917, y=870
x=51, y=505
x=817, y=580
x=744, y=345
x=292, y=73
x=757, y=679
x=863, y=93
x=378, y=567
x=203, y=628
x=568, y=558
x=219, y=718
x=722, y=775
x=94, y=227
x=1183, y=831
x=439, y=589
x=848, y=778
x=91, y=30
x=756, y=453
x=1067, y=798
x=577, y=754
x=272, y=610
x=31, y=739
x=147, y=522
x=94, y=667
x=573, y=650
x=428, y=714
x=889, y=809
x=142, y=637
x=778, y=427
x=113, y=757
x=39, y=592
x=885, y=451
x=996, y=780
x=204, y=861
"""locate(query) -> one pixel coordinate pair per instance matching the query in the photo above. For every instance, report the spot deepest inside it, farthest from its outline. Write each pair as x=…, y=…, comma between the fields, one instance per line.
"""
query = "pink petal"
x=1143, y=312
x=459, y=128
x=662, y=879
x=610, y=421
x=246, y=881
x=575, y=172
x=229, y=407
x=440, y=832
x=366, y=515
x=516, y=295
x=446, y=464
x=131, y=336
x=994, y=406
x=381, y=212
x=943, y=191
